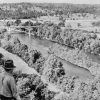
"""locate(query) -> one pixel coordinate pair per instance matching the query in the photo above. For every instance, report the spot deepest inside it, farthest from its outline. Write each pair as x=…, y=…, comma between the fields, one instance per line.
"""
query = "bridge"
x=12, y=29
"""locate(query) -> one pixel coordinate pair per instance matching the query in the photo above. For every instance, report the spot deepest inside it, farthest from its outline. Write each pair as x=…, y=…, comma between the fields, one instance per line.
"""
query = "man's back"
x=1, y=75
x=8, y=87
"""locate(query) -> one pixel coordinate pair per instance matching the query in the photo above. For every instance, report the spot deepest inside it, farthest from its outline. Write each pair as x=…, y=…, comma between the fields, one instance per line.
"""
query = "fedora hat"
x=9, y=64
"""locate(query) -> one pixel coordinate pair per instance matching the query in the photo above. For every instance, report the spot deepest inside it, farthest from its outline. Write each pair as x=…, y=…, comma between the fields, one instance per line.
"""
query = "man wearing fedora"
x=8, y=90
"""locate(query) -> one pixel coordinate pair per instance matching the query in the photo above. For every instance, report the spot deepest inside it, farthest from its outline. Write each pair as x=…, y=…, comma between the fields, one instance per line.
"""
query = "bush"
x=28, y=23
x=9, y=48
x=92, y=46
x=96, y=23
x=17, y=22
x=61, y=96
x=32, y=84
x=53, y=69
x=39, y=65
x=61, y=24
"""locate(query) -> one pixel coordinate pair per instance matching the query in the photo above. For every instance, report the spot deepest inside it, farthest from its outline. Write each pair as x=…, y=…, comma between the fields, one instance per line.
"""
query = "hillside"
x=29, y=10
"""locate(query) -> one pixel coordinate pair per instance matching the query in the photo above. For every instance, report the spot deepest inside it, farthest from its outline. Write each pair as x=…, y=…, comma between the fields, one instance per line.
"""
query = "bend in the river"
x=43, y=46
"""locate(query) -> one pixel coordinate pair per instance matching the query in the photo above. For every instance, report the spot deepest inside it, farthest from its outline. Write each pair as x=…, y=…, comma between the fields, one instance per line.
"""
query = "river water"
x=36, y=44
x=43, y=47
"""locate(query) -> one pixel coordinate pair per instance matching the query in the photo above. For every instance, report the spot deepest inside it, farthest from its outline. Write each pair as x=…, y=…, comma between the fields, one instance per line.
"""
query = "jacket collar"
x=6, y=73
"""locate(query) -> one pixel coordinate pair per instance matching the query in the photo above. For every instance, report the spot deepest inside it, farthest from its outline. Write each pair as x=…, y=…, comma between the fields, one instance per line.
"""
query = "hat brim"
x=9, y=68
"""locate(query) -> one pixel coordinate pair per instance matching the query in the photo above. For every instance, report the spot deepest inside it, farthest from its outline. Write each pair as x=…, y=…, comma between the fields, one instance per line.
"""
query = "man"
x=8, y=90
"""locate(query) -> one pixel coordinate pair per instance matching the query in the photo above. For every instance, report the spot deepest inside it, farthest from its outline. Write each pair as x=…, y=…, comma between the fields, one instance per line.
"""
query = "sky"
x=54, y=1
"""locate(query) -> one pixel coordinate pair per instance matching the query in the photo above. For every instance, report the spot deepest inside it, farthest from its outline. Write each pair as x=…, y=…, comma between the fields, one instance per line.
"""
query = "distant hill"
x=30, y=10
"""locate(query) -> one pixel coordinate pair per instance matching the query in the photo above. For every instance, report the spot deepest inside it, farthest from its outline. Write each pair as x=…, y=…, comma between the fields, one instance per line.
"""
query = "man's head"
x=9, y=65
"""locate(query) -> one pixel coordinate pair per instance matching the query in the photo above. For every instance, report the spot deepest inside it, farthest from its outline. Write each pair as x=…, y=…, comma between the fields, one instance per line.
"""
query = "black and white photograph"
x=49, y=49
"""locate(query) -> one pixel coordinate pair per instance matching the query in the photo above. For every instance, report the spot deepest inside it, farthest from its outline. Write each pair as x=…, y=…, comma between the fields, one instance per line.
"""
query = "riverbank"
x=43, y=47
x=25, y=69
x=19, y=63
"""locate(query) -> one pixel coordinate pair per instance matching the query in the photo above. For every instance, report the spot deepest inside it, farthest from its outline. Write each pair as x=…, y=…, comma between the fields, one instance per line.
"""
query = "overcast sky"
x=54, y=1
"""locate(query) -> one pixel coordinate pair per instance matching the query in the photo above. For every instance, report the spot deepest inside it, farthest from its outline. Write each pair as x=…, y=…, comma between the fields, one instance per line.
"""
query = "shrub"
x=17, y=22
x=96, y=23
x=32, y=84
x=9, y=48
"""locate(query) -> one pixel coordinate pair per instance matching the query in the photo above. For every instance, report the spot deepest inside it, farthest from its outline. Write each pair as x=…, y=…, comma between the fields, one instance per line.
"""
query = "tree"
x=61, y=24
x=92, y=46
x=17, y=22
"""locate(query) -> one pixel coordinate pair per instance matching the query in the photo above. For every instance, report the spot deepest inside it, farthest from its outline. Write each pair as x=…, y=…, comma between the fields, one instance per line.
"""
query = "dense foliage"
x=31, y=87
x=33, y=58
x=69, y=37
x=29, y=10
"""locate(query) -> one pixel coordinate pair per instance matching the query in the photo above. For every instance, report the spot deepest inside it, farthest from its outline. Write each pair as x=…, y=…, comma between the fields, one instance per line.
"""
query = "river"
x=43, y=47
x=36, y=44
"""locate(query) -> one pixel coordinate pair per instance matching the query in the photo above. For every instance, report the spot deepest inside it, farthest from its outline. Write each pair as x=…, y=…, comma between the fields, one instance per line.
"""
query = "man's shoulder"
x=1, y=74
x=9, y=77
